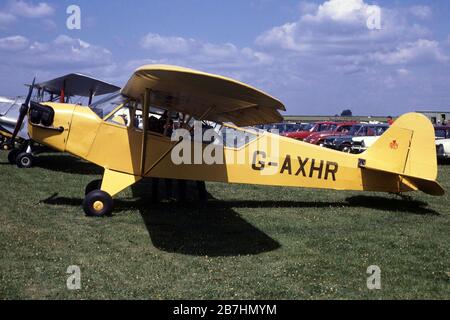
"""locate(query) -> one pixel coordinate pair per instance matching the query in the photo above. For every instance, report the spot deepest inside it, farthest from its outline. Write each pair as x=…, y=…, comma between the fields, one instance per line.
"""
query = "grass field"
x=251, y=242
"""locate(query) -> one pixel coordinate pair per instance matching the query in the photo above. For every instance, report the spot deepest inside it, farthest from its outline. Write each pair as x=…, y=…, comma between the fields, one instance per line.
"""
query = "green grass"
x=251, y=242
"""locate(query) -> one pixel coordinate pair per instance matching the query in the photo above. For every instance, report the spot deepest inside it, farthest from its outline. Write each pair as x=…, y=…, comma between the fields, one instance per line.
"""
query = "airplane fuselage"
x=268, y=159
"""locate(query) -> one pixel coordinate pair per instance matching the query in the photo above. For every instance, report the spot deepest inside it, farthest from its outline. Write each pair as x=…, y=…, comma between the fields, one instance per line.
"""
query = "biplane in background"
x=73, y=88
x=117, y=134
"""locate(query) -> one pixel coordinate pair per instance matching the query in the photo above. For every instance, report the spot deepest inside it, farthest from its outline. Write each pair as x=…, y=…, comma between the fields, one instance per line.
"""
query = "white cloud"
x=29, y=10
x=6, y=19
x=202, y=54
x=337, y=30
x=307, y=7
x=63, y=52
x=13, y=43
x=422, y=12
x=403, y=72
x=420, y=51
x=167, y=45
x=329, y=55
x=348, y=11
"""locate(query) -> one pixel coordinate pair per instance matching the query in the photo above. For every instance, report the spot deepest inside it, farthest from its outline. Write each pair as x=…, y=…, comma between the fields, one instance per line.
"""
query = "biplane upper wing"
x=202, y=95
x=76, y=84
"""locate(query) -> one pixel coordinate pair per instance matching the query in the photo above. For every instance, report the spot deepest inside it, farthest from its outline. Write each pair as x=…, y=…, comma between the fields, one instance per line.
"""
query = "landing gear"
x=93, y=185
x=24, y=160
x=12, y=156
x=98, y=203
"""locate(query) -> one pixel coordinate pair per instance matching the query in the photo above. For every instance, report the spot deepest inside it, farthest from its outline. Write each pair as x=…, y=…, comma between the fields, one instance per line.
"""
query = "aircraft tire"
x=24, y=160
x=98, y=203
x=93, y=185
x=12, y=156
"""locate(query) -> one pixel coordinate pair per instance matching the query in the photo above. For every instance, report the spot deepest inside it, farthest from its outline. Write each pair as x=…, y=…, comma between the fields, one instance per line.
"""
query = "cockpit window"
x=233, y=138
x=353, y=131
x=121, y=117
x=105, y=106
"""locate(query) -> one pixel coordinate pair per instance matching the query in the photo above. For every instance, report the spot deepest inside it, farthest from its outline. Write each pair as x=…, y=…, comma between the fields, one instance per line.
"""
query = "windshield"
x=306, y=127
x=325, y=127
x=440, y=133
x=380, y=130
x=344, y=129
x=291, y=127
x=234, y=138
x=354, y=130
x=105, y=106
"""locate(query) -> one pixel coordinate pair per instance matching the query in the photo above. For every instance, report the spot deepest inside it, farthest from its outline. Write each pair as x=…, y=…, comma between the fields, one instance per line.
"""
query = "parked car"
x=362, y=130
x=442, y=142
x=285, y=127
x=312, y=128
x=281, y=127
x=361, y=144
x=340, y=129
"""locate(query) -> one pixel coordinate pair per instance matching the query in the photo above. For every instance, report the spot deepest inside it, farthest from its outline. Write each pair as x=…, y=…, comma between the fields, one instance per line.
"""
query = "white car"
x=443, y=148
x=362, y=143
x=443, y=142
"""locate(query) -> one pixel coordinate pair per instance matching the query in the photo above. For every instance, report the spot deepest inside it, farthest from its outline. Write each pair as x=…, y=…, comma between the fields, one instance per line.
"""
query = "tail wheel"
x=24, y=160
x=12, y=156
x=98, y=203
x=93, y=185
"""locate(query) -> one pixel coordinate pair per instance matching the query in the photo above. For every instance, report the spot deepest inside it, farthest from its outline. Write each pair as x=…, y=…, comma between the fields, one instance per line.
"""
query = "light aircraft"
x=110, y=134
x=65, y=89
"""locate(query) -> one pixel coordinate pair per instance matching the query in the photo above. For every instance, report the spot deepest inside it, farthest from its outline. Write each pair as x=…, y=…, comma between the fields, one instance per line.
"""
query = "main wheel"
x=24, y=160
x=93, y=185
x=12, y=156
x=98, y=203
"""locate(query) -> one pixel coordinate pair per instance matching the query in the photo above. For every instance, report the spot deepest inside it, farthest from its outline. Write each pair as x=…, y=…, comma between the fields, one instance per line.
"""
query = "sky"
x=317, y=57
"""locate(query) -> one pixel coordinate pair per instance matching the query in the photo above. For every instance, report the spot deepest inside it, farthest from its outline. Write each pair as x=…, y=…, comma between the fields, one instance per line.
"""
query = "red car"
x=316, y=127
x=340, y=129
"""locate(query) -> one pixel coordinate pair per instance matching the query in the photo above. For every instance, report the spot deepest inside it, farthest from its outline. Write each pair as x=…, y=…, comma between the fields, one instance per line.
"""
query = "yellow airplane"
x=119, y=134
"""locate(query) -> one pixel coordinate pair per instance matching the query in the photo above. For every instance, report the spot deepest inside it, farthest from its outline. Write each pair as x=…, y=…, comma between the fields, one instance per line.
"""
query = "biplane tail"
x=407, y=148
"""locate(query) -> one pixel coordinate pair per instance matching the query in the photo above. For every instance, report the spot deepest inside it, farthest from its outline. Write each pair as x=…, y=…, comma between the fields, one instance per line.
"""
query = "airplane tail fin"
x=407, y=148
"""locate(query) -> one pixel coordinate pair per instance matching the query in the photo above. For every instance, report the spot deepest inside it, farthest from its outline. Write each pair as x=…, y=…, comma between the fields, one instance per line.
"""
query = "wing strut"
x=145, y=111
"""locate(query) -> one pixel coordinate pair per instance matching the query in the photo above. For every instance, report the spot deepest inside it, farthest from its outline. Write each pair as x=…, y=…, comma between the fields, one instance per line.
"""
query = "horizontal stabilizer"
x=429, y=187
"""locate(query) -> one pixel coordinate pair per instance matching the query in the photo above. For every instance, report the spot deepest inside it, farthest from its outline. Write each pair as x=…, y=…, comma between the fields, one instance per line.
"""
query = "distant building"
x=437, y=117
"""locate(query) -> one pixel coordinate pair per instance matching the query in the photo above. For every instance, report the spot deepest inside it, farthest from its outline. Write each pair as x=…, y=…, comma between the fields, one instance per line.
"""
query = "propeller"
x=23, y=112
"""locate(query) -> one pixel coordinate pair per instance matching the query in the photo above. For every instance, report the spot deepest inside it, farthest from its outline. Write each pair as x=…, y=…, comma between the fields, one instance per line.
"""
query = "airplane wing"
x=5, y=105
x=193, y=92
x=9, y=113
x=76, y=84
